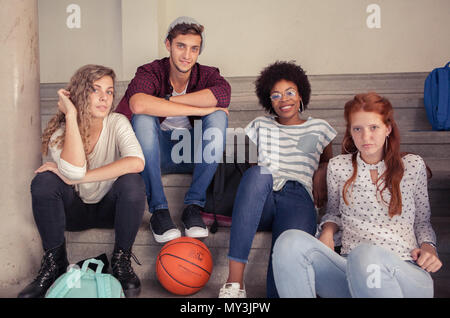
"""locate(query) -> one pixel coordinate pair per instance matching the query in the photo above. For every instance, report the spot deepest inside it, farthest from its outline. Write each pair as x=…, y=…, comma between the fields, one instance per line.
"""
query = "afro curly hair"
x=275, y=72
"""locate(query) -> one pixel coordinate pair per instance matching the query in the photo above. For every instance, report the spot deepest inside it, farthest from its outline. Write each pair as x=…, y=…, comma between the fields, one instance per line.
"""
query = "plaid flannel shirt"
x=153, y=79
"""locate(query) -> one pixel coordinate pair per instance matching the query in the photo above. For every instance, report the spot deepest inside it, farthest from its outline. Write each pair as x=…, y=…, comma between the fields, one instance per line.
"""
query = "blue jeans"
x=157, y=146
x=304, y=266
x=258, y=208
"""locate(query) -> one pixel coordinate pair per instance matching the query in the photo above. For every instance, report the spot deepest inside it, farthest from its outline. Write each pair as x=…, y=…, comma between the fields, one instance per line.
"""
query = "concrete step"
x=407, y=118
x=329, y=92
x=94, y=242
x=247, y=101
x=176, y=185
x=151, y=288
x=392, y=83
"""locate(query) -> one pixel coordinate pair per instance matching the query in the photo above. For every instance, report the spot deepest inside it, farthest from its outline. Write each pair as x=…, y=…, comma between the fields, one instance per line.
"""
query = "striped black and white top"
x=290, y=152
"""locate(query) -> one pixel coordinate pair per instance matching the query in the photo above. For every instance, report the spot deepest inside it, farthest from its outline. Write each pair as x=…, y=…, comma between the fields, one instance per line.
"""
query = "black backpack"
x=222, y=190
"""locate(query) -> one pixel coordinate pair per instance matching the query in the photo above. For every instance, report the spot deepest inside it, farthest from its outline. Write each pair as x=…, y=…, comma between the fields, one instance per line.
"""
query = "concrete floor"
x=152, y=289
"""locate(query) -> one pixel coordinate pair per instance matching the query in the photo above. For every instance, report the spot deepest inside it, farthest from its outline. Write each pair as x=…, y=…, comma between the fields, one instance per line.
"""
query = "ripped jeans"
x=304, y=267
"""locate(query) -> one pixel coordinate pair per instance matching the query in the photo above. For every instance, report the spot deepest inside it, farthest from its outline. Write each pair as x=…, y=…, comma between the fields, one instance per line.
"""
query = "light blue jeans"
x=157, y=146
x=305, y=267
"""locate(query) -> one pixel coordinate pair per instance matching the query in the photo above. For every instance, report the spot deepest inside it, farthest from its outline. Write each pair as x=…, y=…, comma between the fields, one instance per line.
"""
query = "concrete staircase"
x=329, y=94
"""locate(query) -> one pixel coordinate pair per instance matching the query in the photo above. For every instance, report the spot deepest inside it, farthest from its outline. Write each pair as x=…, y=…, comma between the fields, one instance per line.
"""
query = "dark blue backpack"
x=437, y=97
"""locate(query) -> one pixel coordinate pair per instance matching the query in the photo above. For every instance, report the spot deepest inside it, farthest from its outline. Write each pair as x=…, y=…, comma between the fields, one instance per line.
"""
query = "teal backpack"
x=85, y=283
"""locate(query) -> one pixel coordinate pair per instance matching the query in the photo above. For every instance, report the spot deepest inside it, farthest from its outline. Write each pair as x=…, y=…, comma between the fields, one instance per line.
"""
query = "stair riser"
x=147, y=255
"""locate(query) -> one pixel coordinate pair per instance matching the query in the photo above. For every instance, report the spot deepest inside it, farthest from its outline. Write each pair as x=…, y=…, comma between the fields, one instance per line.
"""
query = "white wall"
x=243, y=36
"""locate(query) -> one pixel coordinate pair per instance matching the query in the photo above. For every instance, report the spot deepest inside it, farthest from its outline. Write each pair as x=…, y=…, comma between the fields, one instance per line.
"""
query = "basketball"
x=184, y=266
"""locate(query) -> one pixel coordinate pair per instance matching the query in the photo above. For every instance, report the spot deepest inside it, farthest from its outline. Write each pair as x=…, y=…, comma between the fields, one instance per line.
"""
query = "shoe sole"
x=132, y=293
x=166, y=238
x=196, y=232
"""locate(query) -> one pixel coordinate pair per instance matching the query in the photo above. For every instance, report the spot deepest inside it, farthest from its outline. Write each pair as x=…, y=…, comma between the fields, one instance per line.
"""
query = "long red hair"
x=391, y=178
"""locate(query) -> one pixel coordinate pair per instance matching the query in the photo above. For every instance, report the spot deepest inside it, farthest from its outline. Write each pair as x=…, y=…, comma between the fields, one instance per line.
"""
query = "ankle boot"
x=54, y=263
x=122, y=270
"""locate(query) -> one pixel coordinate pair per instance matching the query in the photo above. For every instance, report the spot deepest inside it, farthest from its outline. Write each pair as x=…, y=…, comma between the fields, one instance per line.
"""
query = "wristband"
x=167, y=97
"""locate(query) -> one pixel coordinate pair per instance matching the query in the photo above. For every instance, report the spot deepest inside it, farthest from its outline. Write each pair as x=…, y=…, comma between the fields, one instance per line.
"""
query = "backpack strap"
x=218, y=189
x=103, y=285
x=94, y=261
x=103, y=282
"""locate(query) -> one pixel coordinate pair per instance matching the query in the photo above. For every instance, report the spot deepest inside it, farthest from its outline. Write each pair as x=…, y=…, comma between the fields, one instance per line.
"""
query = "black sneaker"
x=193, y=222
x=162, y=226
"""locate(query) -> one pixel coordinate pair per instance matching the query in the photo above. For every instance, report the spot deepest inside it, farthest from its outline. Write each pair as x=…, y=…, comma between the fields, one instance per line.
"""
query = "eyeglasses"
x=290, y=93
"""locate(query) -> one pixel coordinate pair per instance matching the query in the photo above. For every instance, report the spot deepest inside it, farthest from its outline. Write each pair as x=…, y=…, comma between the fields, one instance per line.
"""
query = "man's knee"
x=218, y=119
x=145, y=123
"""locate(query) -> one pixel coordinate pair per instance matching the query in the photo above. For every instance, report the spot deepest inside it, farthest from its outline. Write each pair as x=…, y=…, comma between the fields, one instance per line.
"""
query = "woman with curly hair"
x=279, y=193
x=378, y=205
x=93, y=180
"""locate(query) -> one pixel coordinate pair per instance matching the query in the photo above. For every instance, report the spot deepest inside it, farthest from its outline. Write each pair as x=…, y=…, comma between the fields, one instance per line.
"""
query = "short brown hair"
x=185, y=28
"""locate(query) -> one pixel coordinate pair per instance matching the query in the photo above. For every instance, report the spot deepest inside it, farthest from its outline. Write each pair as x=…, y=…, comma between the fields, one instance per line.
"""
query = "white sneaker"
x=232, y=290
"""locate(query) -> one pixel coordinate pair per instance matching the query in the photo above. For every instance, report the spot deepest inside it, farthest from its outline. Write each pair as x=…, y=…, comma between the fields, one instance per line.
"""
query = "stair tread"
x=153, y=289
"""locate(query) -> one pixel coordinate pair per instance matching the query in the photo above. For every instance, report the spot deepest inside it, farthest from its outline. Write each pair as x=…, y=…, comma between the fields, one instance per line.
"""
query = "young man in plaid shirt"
x=171, y=98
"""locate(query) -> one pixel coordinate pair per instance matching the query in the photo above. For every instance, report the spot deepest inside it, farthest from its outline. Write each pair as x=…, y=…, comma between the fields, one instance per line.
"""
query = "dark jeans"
x=57, y=207
x=258, y=208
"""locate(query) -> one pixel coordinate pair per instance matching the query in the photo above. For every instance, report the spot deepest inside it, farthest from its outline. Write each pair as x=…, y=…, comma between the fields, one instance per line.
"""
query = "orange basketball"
x=184, y=266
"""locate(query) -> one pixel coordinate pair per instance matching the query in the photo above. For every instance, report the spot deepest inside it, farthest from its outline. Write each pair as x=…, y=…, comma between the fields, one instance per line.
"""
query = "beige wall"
x=98, y=41
x=243, y=36
x=326, y=36
x=139, y=34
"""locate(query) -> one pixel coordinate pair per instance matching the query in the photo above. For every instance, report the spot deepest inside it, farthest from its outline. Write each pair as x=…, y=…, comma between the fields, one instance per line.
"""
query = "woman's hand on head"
x=52, y=167
x=65, y=105
x=426, y=257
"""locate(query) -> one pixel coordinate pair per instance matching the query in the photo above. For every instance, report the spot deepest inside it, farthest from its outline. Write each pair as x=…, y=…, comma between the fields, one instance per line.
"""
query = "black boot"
x=122, y=270
x=54, y=263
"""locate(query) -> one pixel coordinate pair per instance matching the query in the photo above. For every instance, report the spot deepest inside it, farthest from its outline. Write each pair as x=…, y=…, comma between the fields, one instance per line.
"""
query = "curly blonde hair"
x=80, y=88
